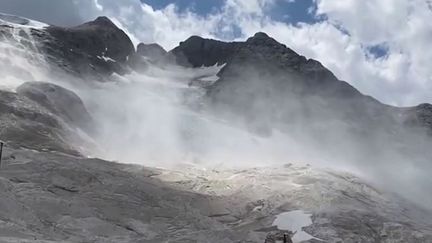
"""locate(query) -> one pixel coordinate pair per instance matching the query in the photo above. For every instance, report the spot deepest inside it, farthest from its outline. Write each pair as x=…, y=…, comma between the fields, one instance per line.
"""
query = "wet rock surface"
x=265, y=82
x=94, y=49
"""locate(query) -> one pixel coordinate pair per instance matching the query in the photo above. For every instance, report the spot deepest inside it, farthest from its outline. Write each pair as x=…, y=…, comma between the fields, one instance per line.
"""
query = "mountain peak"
x=198, y=51
x=262, y=35
x=103, y=21
x=262, y=38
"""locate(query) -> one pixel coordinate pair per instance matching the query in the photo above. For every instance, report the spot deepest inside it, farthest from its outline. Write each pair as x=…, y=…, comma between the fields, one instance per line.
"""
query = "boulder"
x=59, y=101
x=25, y=123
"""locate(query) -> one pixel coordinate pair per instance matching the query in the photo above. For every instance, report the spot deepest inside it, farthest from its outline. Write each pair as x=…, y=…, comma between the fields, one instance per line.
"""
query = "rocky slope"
x=50, y=197
x=43, y=116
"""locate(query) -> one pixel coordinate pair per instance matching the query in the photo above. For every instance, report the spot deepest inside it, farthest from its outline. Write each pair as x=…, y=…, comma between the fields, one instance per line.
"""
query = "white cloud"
x=405, y=76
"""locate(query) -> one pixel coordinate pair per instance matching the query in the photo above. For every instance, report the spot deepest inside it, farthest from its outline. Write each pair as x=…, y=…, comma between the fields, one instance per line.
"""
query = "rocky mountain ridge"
x=264, y=63
x=98, y=48
x=269, y=88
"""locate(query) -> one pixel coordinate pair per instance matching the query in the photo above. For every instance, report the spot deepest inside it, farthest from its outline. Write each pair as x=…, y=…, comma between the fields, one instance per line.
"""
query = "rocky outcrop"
x=97, y=48
x=59, y=101
x=424, y=115
x=420, y=116
x=147, y=54
x=153, y=52
x=264, y=82
x=45, y=117
x=197, y=51
x=25, y=123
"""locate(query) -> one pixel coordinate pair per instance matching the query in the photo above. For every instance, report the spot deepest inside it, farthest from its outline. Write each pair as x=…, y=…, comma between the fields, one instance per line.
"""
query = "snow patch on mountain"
x=17, y=21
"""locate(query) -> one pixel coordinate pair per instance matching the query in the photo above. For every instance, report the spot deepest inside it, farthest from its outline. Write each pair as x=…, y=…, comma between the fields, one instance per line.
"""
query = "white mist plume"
x=151, y=118
x=18, y=63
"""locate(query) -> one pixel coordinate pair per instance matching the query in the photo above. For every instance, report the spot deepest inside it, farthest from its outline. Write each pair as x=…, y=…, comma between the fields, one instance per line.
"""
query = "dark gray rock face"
x=26, y=123
x=267, y=86
x=149, y=54
x=44, y=117
x=265, y=77
x=266, y=82
x=420, y=115
x=96, y=48
x=424, y=115
x=60, y=101
x=262, y=65
x=152, y=51
x=197, y=51
x=98, y=37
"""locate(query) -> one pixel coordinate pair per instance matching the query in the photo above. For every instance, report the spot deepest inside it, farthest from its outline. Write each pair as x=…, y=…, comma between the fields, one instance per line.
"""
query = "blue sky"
x=287, y=11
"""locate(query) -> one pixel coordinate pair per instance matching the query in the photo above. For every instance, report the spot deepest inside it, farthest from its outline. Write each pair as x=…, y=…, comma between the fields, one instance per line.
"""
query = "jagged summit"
x=99, y=22
x=262, y=65
x=95, y=48
x=261, y=35
x=103, y=20
x=153, y=50
x=197, y=51
x=261, y=38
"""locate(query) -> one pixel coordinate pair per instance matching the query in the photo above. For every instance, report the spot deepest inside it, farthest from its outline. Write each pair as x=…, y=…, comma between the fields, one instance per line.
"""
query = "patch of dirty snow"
x=294, y=221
